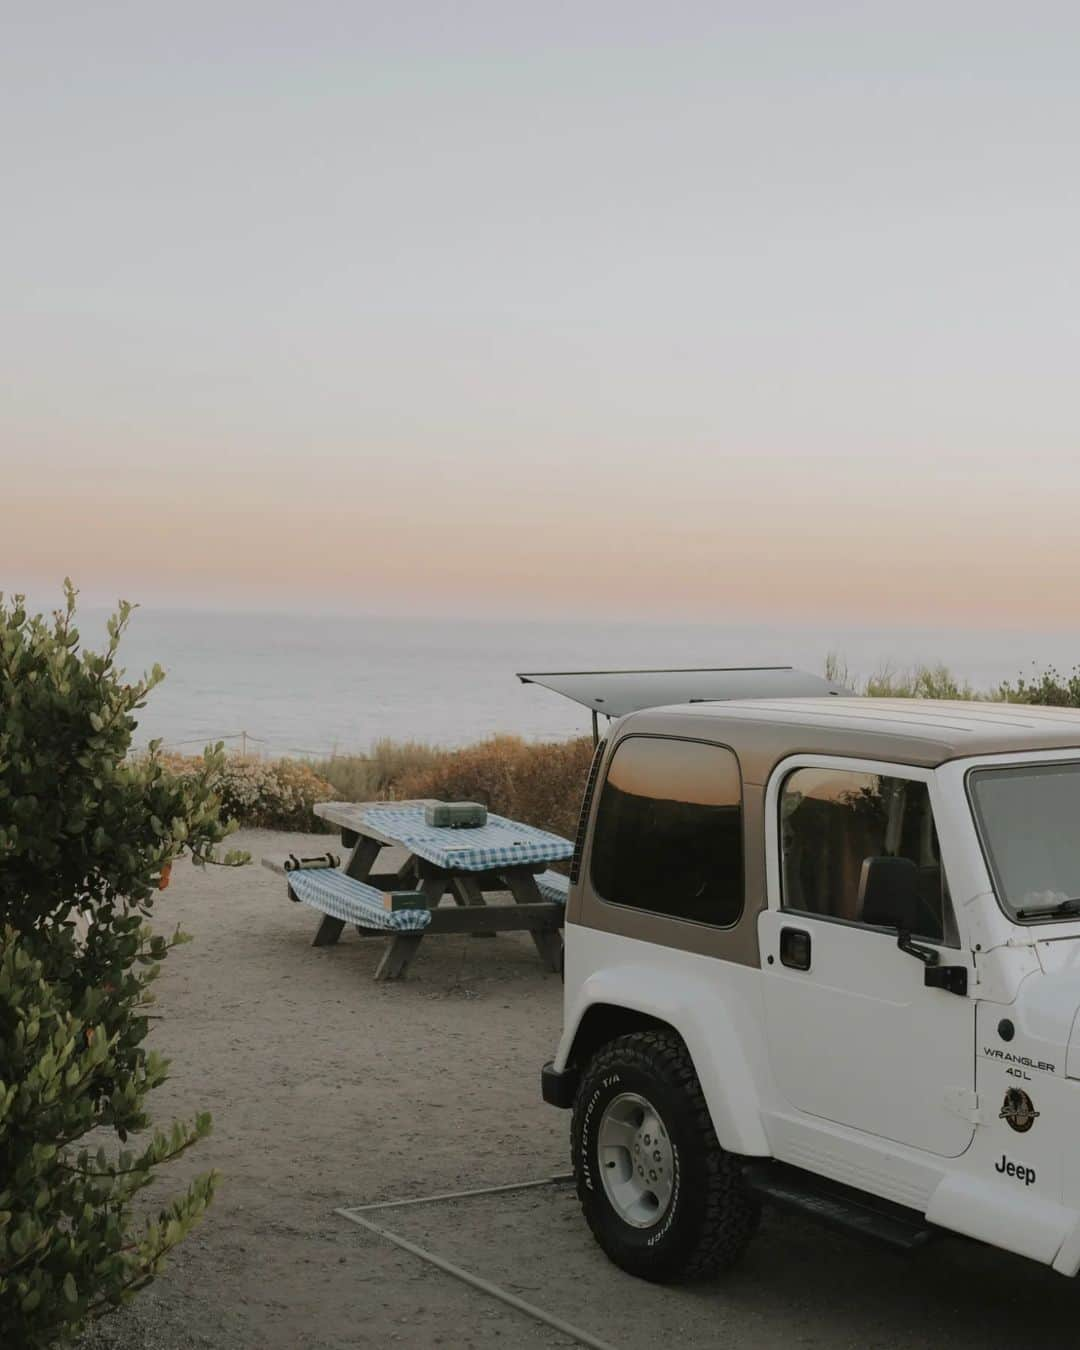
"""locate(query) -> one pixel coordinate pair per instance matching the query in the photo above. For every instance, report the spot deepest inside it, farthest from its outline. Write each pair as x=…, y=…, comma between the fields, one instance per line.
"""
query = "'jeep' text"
x=1011, y=1169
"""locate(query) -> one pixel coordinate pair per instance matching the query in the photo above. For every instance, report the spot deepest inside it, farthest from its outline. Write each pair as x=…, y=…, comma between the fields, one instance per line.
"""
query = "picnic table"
x=468, y=864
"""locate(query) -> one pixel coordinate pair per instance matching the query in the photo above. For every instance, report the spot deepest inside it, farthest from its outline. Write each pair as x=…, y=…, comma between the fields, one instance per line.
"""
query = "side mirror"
x=889, y=894
x=889, y=898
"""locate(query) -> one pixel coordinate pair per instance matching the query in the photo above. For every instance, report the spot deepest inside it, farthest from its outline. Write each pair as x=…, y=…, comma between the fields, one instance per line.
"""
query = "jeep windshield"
x=1029, y=821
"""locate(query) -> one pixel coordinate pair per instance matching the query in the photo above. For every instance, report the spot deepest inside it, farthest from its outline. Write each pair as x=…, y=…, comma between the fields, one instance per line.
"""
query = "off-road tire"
x=711, y=1216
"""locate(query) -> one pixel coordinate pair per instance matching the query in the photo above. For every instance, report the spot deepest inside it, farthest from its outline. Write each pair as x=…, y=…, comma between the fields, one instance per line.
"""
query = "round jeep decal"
x=1018, y=1110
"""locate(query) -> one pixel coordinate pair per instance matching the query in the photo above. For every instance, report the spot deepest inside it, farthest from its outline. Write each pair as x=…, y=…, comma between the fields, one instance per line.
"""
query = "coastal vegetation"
x=540, y=784
x=87, y=837
x=1043, y=685
x=919, y=681
x=277, y=794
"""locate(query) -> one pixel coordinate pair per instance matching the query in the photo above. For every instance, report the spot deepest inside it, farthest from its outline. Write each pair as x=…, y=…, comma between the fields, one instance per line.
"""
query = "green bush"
x=274, y=794
x=1046, y=687
x=87, y=836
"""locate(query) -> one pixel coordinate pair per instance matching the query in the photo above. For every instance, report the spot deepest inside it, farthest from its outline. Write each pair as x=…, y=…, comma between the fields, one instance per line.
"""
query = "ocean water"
x=309, y=685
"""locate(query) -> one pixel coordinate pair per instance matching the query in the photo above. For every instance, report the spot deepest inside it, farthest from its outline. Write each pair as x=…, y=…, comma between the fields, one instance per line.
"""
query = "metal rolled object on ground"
x=294, y=864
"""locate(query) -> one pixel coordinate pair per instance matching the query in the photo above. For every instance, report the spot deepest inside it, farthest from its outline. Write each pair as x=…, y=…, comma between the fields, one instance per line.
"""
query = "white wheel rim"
x=636, y=1160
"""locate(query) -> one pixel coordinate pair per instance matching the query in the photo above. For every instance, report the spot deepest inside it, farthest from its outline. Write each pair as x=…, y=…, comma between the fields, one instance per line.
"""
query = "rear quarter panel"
x=714, y=1005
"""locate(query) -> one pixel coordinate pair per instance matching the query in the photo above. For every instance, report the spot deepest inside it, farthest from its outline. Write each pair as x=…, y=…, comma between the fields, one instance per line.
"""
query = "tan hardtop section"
x=762, y=732
x=921, y=732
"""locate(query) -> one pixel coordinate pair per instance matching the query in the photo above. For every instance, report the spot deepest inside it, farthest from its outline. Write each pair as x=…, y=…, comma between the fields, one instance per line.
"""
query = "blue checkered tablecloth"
x=553, y=886
x=327, y=889
x=499, y=843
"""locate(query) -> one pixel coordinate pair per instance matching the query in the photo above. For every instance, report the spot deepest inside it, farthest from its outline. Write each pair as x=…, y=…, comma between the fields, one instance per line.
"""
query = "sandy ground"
x=329, y=1090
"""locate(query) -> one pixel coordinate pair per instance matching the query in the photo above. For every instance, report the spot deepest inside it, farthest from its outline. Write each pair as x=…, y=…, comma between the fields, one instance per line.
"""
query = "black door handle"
x=795, y=948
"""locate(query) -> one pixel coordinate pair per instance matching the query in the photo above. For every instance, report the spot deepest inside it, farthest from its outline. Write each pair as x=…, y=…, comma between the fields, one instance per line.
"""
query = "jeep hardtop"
x=826, y=952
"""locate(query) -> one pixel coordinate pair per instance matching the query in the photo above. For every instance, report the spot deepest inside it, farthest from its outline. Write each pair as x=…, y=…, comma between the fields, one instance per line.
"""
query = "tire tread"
x=730, y=1213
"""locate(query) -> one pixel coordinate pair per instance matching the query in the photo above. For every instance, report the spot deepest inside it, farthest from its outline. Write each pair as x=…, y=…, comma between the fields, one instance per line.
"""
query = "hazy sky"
x=690, y=310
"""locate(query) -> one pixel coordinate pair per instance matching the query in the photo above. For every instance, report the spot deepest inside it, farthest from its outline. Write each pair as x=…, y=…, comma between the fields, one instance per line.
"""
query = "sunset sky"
x=688, y=310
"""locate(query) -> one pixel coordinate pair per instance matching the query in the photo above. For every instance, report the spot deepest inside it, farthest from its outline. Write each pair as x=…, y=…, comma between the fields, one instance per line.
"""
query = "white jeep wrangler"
x=826, y=951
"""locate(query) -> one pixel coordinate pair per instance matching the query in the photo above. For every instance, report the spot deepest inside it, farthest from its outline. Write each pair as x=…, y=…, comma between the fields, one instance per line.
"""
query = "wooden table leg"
x=359, y=865
x=399, y=952
x=362, y=858
x=434, y=887
x=402, y=947
x=329, y=931
x=548, y=944
x=466, y=891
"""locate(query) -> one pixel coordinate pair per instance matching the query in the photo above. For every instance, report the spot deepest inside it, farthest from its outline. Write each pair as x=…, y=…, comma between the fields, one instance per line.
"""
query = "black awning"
x=615, y=692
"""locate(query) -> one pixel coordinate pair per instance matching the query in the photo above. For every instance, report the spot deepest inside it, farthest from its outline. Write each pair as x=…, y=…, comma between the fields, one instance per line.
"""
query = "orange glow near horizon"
x=763, y=540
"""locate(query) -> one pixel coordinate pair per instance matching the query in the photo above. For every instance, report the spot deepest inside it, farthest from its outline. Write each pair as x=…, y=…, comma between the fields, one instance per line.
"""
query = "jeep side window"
x=668, y=834
x=832, y=820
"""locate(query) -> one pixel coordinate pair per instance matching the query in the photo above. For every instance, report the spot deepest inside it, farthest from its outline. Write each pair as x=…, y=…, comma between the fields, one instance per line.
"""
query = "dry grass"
x=540, y=784
x=371, y=777
x=921, y=682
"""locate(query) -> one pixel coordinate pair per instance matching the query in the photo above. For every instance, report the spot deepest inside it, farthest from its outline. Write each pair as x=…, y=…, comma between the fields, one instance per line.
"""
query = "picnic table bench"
x=501, y=855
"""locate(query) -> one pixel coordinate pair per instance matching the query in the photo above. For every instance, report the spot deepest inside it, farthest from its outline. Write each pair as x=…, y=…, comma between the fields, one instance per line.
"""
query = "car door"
x=855, y=1036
